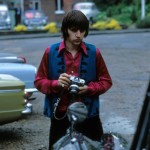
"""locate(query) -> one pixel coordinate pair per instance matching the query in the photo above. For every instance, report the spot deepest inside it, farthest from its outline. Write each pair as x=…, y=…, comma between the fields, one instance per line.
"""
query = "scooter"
x=77, y=112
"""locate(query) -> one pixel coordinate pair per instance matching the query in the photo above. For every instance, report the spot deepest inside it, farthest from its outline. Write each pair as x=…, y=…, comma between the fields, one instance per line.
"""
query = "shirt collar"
x=62, y=47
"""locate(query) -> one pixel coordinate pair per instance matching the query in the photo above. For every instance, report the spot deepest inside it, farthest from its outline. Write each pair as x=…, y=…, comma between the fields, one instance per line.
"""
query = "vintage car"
x=34, y=19
x=12, y=99
x=88, y=8
x=5, y=19
x=17, y=66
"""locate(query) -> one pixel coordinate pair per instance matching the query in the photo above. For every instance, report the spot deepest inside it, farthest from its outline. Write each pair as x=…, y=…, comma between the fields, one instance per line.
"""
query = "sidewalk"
x=13, y=35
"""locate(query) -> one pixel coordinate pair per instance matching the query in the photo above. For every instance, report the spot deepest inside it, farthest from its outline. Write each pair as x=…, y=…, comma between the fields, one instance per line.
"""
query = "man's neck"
x=71, y=48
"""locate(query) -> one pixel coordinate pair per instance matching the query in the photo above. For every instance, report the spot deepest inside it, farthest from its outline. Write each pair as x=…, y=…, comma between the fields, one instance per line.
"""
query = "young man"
x=70, y=57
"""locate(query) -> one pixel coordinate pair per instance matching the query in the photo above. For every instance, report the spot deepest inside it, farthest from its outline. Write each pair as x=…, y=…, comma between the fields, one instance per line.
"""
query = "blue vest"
x=87, y=71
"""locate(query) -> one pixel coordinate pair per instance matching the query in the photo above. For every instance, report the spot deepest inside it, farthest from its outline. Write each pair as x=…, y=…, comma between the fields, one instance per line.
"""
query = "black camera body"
x=75, y=83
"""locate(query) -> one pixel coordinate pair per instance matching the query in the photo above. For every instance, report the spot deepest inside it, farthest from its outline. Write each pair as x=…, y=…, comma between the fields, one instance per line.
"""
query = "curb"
x=42, y=34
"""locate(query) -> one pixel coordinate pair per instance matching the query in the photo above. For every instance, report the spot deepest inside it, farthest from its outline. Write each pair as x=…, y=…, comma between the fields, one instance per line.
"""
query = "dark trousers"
x=91, y=128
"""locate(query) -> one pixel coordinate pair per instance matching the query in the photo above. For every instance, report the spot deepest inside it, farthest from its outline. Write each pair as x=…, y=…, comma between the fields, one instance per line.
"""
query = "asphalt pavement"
x=127, y=57
x=6, y=35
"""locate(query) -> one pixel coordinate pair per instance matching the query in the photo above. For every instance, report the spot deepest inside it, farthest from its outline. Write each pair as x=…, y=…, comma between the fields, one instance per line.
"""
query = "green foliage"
x=124, y=19
x=133, y=15
x=102, y=16
x=147, y=7
x=126, y=12
x=145, y=23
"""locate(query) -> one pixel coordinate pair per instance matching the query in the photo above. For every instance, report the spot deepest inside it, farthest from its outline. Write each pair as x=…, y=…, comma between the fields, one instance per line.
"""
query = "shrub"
x=133, y=16
x=145, y=23
x=51, y=27
x=20, y=27
x=113, y=24
x=123, y=19
x=127, y=12
x=110, y=24
x=101, y=17
x=100, y=25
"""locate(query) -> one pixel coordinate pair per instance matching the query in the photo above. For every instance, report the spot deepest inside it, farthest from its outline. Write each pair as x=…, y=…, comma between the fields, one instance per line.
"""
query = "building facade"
x=54, y=9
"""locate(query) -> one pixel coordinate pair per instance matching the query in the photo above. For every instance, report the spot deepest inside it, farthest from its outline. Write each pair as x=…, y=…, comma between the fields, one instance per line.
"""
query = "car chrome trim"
x=31, y=90
x=8, y=91
x=28, y=109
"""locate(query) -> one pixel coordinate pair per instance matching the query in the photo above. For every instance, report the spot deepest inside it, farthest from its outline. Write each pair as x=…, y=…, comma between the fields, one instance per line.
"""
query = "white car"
x=18, y=67
x=5, y=20
x=88, y=8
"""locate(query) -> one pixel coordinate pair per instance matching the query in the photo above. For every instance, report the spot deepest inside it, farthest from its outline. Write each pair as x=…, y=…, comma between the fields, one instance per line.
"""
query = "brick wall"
x=48, y=6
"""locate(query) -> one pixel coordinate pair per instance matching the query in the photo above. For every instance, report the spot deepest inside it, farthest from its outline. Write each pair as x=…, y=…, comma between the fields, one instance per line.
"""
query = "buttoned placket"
x=73, y=63
x=72, y=67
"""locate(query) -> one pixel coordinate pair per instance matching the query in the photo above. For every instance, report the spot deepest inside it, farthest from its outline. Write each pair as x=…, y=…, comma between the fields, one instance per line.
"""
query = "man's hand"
x=63, y=80
x=83, y=90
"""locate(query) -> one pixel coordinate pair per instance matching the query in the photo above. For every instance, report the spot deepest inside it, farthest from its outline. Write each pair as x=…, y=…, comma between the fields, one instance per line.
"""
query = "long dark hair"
x=75, y=19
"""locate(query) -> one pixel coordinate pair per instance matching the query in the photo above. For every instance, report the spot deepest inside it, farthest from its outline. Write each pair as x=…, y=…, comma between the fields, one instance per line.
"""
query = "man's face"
x=75, y=36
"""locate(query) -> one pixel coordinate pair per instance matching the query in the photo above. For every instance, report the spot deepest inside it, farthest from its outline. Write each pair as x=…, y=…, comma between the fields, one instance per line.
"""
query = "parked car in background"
x=17, y=66
x=34, y=19
x=5, y=21
x=12, y=99
x=88, y=8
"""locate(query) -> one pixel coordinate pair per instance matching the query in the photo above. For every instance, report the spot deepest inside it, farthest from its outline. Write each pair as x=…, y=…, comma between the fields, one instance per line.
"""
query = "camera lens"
x=74, y=88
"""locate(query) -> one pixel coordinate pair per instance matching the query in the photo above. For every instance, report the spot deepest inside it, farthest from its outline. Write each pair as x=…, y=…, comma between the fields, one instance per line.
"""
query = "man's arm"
x=42, y=82
x=104, y=81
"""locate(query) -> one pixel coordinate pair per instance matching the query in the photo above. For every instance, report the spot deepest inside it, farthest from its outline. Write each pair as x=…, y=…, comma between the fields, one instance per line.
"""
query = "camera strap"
x=56, y=105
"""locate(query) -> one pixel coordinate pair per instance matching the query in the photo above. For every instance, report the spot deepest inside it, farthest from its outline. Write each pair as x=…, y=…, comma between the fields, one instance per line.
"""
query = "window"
x=59, y=7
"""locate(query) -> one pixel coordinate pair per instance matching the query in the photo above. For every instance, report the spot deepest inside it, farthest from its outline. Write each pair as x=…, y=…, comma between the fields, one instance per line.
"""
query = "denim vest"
x=87, y=71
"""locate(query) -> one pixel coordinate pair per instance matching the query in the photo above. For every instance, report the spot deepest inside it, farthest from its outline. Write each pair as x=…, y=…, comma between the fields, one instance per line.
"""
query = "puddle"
x=114, y=122
x=119, y=125
x=122, y=128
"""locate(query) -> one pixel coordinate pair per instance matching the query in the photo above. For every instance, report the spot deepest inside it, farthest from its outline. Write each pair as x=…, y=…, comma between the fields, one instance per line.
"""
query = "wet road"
x=127, y=57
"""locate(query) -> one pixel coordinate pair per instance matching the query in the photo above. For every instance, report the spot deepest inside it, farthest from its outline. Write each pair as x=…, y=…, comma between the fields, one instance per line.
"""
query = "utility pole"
x=142, y=9
x=22, y=9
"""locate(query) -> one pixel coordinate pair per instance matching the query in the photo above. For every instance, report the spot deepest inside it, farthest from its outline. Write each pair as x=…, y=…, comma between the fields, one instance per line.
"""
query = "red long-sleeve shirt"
x=47, y=86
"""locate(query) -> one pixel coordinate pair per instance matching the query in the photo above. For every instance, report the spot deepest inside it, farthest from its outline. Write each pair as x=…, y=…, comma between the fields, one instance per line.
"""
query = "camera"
x=75, y=83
